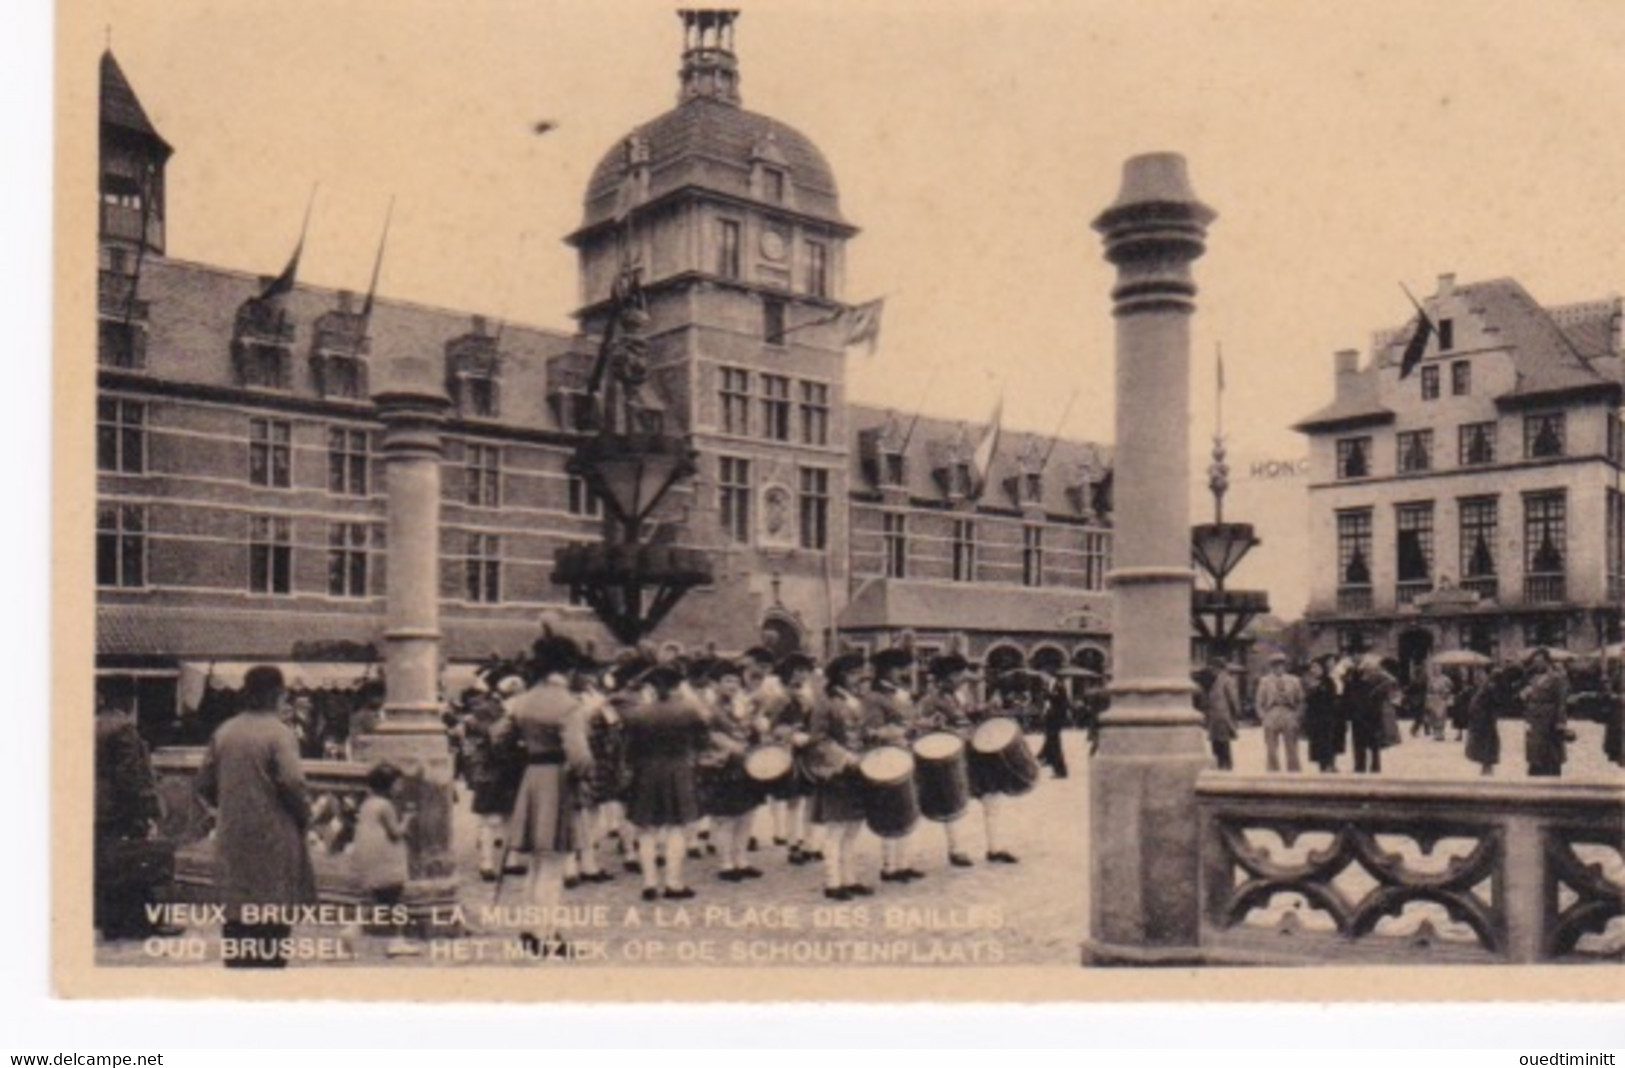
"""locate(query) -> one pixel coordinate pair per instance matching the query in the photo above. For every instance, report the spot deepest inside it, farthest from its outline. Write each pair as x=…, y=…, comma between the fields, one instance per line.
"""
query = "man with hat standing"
x=1545, y=713
x=1223, y=709
x=1279, y=699
x=551, y=721
x=253, y=778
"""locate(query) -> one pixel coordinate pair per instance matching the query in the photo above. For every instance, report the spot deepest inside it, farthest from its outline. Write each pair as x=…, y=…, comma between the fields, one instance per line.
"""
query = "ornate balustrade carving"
x=1383, y=870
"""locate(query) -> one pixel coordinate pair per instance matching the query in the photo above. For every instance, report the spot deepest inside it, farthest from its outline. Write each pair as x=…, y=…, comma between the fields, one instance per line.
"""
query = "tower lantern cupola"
x=133, y=155
x=710, y=68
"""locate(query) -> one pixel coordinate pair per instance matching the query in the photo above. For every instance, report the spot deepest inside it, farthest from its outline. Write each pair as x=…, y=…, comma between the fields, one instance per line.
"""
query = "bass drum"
x=769, y=766
x=942, y=776
x=891, y=805
x=1000, y=761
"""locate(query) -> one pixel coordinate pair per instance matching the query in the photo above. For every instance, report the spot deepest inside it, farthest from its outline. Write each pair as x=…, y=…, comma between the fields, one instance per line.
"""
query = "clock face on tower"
x=773, y=245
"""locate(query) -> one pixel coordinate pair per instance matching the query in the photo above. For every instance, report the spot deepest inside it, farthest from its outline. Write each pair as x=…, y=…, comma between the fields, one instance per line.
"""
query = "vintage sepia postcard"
x=839, y=501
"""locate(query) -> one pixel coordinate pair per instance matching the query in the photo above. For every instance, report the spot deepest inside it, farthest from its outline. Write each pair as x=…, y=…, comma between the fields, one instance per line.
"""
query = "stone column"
x=1145, y=860
x=412, y=735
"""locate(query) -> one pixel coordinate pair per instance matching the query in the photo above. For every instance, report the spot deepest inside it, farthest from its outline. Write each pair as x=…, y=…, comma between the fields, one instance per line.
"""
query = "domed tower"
x=732, y=221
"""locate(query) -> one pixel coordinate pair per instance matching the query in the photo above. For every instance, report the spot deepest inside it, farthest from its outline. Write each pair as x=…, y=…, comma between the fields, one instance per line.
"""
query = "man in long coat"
x=1545, y=712
x=1223, y=710
x=252, y=776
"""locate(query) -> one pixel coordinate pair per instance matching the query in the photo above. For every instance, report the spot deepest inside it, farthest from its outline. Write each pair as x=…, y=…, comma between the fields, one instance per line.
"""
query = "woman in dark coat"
x=1488, y=694
x=1323, y=722
x=664, y=737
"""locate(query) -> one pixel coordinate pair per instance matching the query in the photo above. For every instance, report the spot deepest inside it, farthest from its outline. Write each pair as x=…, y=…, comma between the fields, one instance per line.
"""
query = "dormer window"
x=338, y=352
x=473, y=373
x=1032, y=487
x=262, y=338
x=773, y=185
x=959, y=484
x=1447, y=335
x=893, y=469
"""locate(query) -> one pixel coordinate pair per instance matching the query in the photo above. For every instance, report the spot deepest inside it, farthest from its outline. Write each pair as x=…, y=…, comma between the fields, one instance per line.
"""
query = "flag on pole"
x=862, y=324
x=282, y=284
x=987, y=448
x=377, y=265
x=1419, y=340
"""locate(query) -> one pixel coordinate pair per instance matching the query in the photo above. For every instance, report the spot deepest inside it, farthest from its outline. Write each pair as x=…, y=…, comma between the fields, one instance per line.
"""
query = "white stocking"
x=992, y=810
x=676, y=853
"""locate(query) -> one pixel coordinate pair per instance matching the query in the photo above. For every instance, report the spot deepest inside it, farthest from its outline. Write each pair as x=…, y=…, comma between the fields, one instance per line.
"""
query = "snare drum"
x=891, y=805
x=769, y=765
x=1000, y=760
x=942, y=775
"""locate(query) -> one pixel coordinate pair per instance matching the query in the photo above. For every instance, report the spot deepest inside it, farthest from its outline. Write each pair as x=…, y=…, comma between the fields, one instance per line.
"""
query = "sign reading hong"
x=1271, y=470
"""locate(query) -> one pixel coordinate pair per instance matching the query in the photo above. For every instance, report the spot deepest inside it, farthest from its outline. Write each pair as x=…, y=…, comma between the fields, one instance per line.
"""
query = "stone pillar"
x=411, y=735
x=1145, y=859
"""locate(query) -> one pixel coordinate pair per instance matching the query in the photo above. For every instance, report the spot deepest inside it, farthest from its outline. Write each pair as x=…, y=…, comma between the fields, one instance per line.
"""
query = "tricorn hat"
x=793, y=663
x=948, y=664
x=662, y=677
x=839, y=668
x=554, y=653
x=893, y=659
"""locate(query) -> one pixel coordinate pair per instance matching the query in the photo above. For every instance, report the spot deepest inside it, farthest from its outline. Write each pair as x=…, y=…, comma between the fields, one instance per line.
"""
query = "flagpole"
x=1056, y=437
x=377, y=265
x=908, y=435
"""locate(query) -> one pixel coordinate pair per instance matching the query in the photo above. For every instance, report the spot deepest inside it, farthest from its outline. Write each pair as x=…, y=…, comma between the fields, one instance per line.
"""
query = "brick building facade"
x=240, y=505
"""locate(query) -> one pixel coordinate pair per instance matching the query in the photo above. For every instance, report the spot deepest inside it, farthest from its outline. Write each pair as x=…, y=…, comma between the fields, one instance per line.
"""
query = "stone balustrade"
x=1342, y=869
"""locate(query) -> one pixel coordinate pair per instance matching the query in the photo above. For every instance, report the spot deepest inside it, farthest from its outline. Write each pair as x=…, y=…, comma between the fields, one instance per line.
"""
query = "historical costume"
x=836, y=740
x=551, y=721
x=729, y=796
x=947, y=709
x=493, y=764
x=788, y=710
x=664, y=737
x=889, y=719
x=252, y=777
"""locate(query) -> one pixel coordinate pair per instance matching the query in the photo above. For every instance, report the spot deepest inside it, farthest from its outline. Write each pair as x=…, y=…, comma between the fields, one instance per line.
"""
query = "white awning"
x=198, y=676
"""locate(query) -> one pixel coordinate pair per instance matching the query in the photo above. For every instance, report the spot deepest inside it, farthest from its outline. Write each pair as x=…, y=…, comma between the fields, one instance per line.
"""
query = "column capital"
x=1153, y=231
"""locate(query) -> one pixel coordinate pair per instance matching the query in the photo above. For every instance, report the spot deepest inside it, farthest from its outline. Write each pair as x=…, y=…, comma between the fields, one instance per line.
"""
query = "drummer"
x=730, y=796
x=597, y=792
x=765, y=691
x=835, y=740
x=889, y=719
x=663, y=736
x=946, y=708
x=789, y=717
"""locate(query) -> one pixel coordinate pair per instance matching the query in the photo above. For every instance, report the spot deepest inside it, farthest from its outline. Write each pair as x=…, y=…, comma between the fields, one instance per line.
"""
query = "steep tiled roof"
x=194, y=308
x=708, y=143
x=931, y=440
x=120, y=108
x=1550, y=355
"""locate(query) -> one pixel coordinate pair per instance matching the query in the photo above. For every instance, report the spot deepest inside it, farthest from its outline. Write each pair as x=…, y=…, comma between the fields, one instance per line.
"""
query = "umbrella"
x=1460, y=658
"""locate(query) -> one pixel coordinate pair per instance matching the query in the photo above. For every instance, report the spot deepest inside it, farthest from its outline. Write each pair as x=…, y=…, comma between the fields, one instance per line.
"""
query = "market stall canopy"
x=197, y=677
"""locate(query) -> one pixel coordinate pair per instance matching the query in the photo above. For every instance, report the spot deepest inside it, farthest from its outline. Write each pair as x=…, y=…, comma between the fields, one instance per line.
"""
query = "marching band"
x=671, y=757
